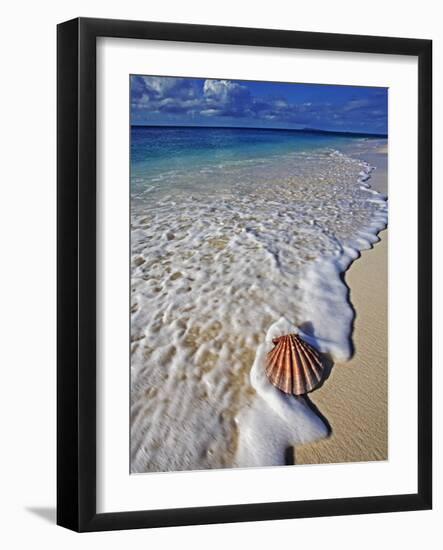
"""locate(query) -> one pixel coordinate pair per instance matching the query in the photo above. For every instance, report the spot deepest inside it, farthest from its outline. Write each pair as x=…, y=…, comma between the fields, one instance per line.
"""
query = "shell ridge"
x=305, y=364
x=298, y=359
x=313, y=358
x=290, y=378
x=312, y=351
x=286, y=375
x=277, y=365
x=311, y=366
x=297, y=387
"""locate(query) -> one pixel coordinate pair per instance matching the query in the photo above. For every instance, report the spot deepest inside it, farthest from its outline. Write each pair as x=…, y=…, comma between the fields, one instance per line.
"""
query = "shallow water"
x=227, y=253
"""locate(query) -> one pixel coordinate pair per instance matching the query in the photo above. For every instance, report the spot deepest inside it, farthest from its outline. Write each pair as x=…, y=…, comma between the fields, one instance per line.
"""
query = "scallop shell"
x=294, y=366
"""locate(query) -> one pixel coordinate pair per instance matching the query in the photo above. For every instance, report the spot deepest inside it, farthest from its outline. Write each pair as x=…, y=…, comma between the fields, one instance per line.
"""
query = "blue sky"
x=207, y=102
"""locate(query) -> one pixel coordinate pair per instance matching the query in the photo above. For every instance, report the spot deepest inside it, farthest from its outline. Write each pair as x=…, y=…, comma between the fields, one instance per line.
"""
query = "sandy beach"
x=354, y=398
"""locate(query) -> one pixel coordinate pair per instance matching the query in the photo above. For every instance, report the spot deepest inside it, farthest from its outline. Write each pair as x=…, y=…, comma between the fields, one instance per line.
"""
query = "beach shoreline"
x=236, y=264
x=354, y=399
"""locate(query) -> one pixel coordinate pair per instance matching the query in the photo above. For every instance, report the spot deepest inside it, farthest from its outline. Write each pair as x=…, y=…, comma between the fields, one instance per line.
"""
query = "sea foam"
x=223, y=260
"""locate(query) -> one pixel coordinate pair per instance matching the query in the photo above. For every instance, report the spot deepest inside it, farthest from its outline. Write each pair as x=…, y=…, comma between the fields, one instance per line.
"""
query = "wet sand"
x=354, y=399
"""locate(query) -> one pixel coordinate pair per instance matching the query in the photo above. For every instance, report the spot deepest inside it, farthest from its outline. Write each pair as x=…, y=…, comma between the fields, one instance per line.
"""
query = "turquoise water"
x=172, y=155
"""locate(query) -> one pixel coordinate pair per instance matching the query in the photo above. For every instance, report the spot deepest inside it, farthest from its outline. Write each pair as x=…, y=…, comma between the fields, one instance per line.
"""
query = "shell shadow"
x=354, y=311
x=290, y=456
x=318, y=413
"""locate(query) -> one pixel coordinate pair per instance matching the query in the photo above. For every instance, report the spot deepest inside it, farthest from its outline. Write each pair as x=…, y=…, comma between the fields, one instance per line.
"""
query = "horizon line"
x=306, y=129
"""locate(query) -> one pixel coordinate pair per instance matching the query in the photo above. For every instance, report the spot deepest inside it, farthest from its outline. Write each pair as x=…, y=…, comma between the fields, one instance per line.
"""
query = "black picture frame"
x=76, y=266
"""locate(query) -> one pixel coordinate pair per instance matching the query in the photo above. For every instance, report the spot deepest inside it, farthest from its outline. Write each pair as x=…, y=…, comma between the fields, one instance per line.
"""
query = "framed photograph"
x=244, y=274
